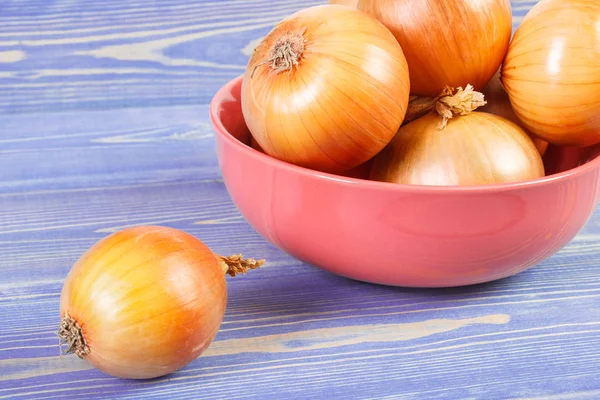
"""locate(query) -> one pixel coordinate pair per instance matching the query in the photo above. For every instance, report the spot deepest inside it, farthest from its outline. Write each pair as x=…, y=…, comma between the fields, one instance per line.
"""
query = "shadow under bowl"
x=404, y=235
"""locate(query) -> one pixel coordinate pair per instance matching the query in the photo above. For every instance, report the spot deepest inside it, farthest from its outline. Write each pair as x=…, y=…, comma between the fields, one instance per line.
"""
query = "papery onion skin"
x=344, y=100
x=349, y=3
x=498, y=103
x=552, y=72
x=447, y=42
x=148, y=301
x=474, y=149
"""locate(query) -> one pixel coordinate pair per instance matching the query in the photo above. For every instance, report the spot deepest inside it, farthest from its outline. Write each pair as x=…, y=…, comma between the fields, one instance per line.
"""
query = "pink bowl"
x=404, y=235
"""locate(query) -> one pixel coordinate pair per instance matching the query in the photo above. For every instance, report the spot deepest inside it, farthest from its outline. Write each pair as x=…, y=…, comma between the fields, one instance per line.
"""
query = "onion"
x=498, y=103
x=326, y=89
x=552, y=72
x=462, y=148
x=447, y=42
x=145, y=301
x=349, y=3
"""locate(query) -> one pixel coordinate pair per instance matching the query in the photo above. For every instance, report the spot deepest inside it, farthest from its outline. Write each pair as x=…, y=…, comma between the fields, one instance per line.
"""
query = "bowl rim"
x=223, y=94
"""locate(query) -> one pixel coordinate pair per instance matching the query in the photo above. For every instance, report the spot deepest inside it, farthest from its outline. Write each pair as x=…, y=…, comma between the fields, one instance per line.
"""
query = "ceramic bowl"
x=404, y=235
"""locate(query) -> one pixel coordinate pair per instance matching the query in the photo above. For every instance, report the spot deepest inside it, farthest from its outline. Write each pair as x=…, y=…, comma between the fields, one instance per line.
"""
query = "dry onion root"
x=326, y=89
x=454, y=145
x=145, y=301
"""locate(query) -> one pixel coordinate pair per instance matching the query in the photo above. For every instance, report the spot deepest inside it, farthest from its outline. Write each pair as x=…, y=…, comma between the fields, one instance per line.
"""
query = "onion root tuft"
x=286, y=53
x=70, y=334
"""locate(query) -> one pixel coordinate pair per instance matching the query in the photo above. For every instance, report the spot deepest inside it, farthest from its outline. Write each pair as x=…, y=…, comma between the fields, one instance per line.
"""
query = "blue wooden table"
x=104, y=125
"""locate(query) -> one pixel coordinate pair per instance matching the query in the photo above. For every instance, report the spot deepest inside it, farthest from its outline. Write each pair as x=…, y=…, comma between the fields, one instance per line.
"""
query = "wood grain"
x=64, y=55
x=104, y=124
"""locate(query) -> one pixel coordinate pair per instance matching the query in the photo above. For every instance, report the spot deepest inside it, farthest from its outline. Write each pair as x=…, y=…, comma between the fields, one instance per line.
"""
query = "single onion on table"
x=145, y=301
x=447, y=42
x=326, y=89
x=457, y=146
x=552, y=72
x=498, y=103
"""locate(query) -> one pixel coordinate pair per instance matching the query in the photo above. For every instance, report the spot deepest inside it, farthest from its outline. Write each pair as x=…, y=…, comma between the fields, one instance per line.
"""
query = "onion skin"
x=349, y=3
x=148, y=300
x=447, y=42
x=498, y=103
x=474, y=149
x=341, y=104
x=552, y=72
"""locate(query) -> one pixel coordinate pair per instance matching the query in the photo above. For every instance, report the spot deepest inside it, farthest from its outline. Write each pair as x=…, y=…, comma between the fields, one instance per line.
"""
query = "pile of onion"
x=145, y=301
x=325, y=88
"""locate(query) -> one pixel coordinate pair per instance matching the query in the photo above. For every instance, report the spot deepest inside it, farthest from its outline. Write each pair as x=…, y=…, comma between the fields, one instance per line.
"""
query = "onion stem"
x=236, y=264
x=447, y=104
x=418, y=106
